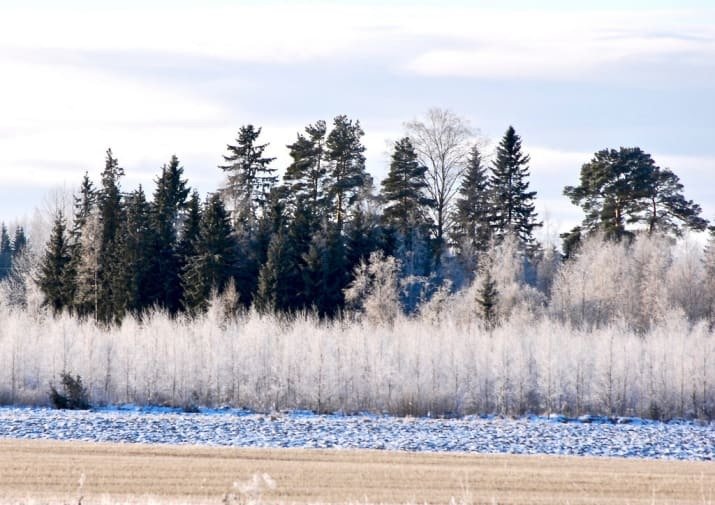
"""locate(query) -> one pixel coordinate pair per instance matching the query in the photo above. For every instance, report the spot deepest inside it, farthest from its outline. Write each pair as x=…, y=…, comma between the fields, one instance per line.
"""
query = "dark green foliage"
x=72, y=396
x=346, y=174
x=487, y=299
x=5, y=253
x=277, y=279
x=55, y=276
x=189, y=230
x=111, y=215
x=249, y=177
x=213, y=263
x=166, y=212
x=513, y=208
x=471, y=229
x=306, y=176
x=625, y=187
x=667, y=206
x=19, y=242
x=403, y=190
x=134, y=284
x=325, y=275
x=571, y=241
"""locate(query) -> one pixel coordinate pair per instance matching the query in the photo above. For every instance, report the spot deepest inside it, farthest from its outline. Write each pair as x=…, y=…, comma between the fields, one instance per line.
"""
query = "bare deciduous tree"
x=442, y=142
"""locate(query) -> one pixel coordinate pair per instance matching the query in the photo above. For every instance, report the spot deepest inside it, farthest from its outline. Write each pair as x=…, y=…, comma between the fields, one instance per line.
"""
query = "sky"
x=152, y=79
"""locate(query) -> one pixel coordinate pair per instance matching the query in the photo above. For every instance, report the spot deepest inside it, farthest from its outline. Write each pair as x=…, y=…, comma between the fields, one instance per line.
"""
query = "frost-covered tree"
x=442, y=142
x=249, y=176
x=374, y=290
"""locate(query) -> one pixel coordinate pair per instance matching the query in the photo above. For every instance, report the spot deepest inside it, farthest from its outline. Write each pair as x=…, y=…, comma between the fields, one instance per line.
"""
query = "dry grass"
x=48, y=472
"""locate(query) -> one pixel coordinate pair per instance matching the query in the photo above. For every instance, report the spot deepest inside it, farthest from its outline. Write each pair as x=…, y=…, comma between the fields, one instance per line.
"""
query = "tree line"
x=297, y=243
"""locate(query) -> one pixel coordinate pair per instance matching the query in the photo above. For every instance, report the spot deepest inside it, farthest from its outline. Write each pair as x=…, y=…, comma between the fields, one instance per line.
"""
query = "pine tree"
x=625, y=187
x=169, y=202
x=513, y=203
x=213, y=263
x=53, y=276
x=306, y=176
x=346, y=173
x=471, y=230
x=5, y=252
x=249, y=176
x=667, y=206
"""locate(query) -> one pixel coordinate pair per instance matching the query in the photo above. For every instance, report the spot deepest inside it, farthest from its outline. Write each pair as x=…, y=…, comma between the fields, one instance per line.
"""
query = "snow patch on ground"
x=586, y=435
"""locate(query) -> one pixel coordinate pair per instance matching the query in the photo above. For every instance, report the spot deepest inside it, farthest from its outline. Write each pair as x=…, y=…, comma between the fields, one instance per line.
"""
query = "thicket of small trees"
x=316, y=289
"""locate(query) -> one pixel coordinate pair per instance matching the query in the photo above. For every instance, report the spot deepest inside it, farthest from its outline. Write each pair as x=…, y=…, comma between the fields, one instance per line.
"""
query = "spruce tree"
x=111, y=216
x=325, y=275
x=346, y=173
x=19, y=242
x=169, y=202
x=487, y=299
x=471, y=230
x=213, y=264
x=53, y=276
x=84, y=204
x=403, y=190
x=513, y=208
x=5, y=252
x=189, y=230
x=134, y=284
x=277, y=290
x=249, y=176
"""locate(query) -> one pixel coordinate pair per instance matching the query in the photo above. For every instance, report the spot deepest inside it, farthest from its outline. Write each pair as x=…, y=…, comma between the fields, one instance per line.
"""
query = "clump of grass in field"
x=250, y=491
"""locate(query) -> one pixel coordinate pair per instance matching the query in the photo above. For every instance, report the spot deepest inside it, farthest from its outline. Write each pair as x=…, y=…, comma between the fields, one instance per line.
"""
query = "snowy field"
x=588, y=436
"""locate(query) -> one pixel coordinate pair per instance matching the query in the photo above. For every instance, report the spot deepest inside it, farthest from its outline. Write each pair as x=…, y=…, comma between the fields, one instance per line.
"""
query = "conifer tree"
x=325, y=275
x=668, y=210
x=472, y=231
x=189, y=230
x=249, y=176
x=346, y=172
x=306, y=176
x=84, y=204
x=134, y=283
x=54, y=278
x=111, y=216
x=277, y=289
x=513, y=204
x=19, y=242
x=5, y=252
x=625, y=187
x=403, y=190
x=213, y=264
x=487, y=299
x=169, y=202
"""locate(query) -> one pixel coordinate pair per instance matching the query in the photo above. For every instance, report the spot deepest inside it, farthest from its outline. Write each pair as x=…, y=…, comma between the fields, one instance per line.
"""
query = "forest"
x=315, y=289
